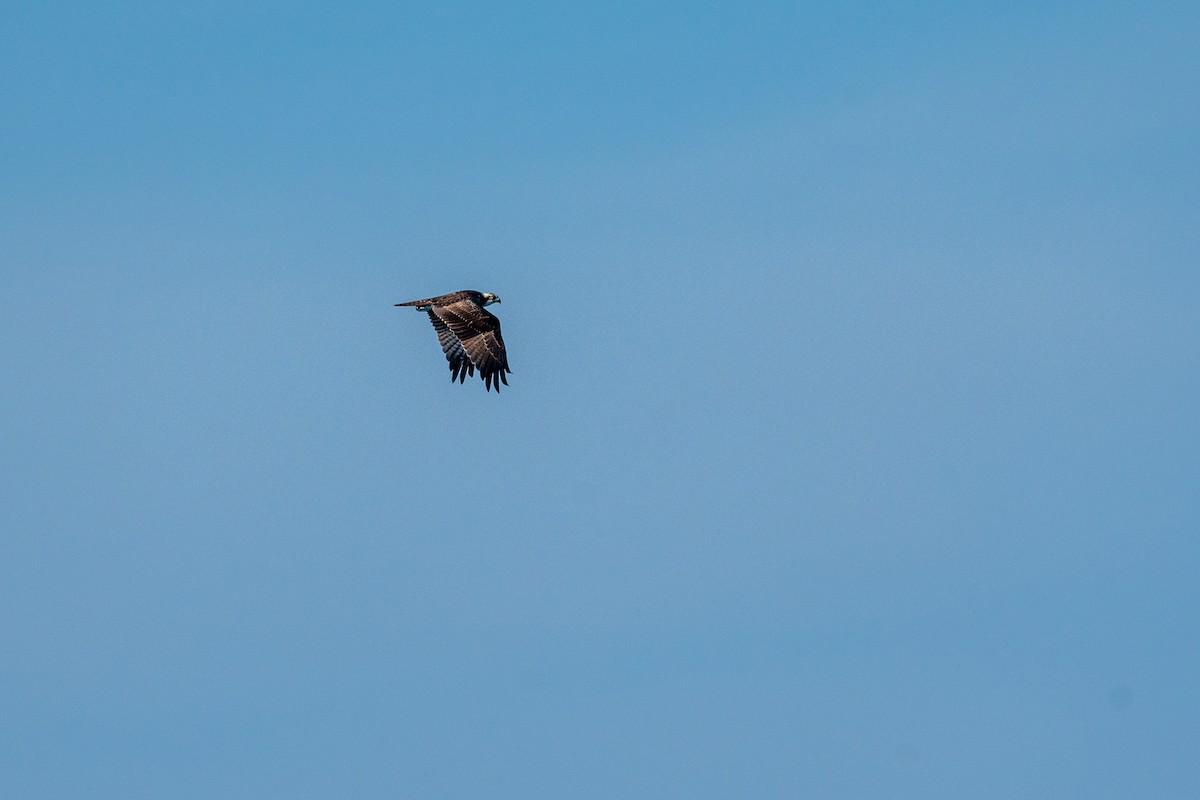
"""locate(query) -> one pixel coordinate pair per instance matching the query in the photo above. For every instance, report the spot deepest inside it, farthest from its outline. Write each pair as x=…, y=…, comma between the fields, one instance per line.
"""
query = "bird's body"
x=469, y=336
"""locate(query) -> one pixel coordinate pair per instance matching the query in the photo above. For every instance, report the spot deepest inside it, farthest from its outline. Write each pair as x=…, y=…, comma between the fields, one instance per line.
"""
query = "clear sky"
x=850, y=450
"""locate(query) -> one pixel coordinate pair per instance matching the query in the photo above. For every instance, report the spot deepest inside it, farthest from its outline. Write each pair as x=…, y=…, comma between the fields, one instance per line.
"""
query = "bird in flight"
x=470, y=336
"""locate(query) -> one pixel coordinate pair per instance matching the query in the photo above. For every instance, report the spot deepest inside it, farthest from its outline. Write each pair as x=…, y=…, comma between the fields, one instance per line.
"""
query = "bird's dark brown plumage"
x=469, y=335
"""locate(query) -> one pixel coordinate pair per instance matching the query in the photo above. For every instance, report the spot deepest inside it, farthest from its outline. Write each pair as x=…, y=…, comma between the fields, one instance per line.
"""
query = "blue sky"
x=850, y=448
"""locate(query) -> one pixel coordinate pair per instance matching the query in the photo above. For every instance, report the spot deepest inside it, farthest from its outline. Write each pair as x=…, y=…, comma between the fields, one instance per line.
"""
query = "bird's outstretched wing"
x=460, y=364
x=478, y=337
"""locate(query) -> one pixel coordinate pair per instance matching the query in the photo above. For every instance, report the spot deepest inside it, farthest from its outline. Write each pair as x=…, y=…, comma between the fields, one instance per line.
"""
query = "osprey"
x=470, y=336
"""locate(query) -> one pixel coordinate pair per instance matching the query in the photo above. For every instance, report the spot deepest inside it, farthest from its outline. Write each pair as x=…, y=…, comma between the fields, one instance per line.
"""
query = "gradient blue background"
x=851, y=449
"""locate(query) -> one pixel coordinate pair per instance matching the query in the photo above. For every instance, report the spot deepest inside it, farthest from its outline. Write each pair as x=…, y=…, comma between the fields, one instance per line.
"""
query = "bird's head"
x=489, y=298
